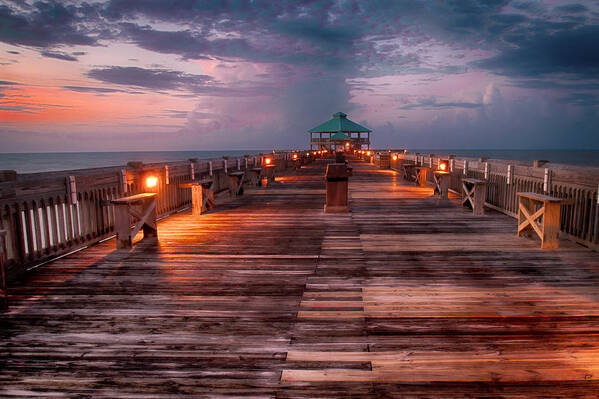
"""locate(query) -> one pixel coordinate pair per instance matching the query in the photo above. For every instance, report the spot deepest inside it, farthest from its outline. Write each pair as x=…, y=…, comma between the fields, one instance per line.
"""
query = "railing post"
x=451, y=164
x=465, y=167
x=225, y=163
x=192, y=171
x=486, y=171
x=547, y=181
x=509, y=175
x=123, y=181
x=72, y=189
x=597, y=217
x=166, y=179
x=210, y=167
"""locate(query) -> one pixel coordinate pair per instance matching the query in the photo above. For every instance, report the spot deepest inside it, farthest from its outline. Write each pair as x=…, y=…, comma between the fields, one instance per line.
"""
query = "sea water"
x=53, y=161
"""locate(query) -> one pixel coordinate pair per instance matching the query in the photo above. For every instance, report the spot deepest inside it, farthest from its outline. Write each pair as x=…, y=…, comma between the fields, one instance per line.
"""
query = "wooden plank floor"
x=268, y=297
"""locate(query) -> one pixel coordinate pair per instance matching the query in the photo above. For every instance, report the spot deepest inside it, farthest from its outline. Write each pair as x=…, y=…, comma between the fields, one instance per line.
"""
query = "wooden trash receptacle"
x=202, y=195
x=142, y=207
x=475, y=195
x=337, y=179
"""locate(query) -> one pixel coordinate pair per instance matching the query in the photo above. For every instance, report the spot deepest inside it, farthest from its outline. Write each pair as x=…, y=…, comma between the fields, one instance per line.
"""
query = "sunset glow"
x=149, y=75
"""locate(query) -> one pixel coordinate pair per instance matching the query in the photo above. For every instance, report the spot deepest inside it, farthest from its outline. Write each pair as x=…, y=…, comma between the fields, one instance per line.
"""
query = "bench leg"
x=480, y=196
x=422, y=178
x=197, y=199
x=3, y=289
x=149, y=226
x=122, y=226
x=551, y=226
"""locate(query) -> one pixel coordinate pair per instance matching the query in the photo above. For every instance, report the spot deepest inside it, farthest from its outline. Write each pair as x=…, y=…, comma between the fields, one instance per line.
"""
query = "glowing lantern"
x=151, y=181
x=307, y=154
x=395, y=157
x=368, y=153
x=267, y=161
x=294, y=156
x=443, y=166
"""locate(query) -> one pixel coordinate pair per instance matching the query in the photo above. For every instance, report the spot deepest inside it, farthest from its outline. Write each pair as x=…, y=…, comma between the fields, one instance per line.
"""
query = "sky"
x=126, y=75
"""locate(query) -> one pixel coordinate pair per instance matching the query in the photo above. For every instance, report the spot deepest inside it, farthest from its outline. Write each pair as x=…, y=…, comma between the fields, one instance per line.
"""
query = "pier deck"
x=267, y=296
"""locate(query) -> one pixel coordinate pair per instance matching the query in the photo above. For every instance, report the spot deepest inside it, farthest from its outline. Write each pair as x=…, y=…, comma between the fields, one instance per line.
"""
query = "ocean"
x=53, y=161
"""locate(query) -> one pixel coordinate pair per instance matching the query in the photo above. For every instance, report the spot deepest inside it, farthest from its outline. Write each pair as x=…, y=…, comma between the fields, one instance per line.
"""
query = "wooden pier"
x=266, y=296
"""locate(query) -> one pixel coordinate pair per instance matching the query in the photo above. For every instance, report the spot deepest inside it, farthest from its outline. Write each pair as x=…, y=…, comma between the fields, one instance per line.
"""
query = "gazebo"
x=339, y=133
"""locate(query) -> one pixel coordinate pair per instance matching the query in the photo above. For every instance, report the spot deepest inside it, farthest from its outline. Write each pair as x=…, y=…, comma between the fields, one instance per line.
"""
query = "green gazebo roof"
x=339, y=123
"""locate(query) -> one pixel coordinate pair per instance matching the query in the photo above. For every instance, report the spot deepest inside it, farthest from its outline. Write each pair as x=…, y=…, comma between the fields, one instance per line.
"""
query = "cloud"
x=8, y=83
x=47, y=24
x=86, y=89
x=570, y=52
x=571, y=8
x=430, y=103
x=18, y=108
x=58, y=55
x=581, y=99
x=154, y=79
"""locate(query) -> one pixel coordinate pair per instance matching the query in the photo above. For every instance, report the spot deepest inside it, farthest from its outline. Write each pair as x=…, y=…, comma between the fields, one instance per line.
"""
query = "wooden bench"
x=3, y=290
x=409, y=172
x=254, y=176
x=475, y=195
x=441, y=180
x=421, y=172
x=236, y=183
x=143, y=208
x=202, y=195
x=531, y=208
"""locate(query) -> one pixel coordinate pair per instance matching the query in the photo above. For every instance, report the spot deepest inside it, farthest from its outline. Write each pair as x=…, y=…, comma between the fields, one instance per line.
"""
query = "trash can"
x=337, y=178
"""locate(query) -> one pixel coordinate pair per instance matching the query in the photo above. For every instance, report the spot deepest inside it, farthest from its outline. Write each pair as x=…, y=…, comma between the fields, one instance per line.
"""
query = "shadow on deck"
x=267, y=296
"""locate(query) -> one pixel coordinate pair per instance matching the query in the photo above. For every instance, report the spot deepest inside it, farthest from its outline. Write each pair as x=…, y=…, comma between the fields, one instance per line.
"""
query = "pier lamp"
x=368, y=153
x=443, y=165
x=151, y=181
x=307, y=154
x=267, y=161
x=394, y=157
x=294, y=156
